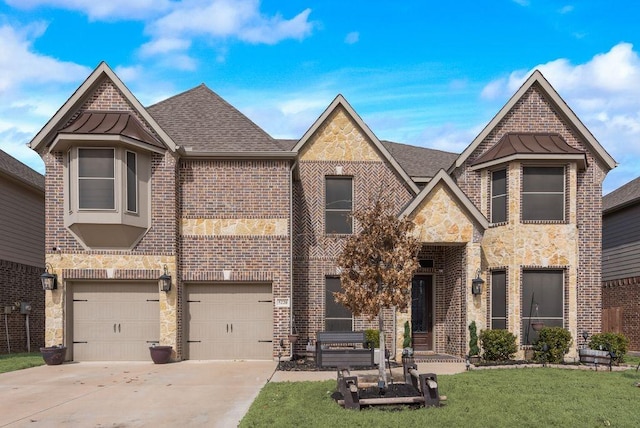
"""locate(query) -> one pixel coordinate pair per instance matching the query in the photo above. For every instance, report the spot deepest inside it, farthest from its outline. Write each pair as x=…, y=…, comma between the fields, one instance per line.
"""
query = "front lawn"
x=480, y=398
x=11, y=362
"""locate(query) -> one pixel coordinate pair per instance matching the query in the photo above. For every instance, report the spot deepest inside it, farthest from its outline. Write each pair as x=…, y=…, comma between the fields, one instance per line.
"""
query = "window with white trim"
x=499, y=196
x=96, y=179
x=132, y=182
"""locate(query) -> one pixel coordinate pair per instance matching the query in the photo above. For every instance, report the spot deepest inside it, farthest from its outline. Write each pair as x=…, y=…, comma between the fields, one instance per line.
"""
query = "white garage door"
x=229, y=321
x=114, y=320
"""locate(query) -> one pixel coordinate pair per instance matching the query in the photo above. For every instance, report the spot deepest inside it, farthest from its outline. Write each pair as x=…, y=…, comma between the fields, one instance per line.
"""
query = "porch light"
x=165, y=280
x=49, y=280
x=476, y=284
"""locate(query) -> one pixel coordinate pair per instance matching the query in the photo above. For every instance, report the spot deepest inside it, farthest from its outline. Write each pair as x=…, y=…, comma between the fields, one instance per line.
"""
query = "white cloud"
x=604, y=92
x=164, y=45
x=352, y=37
x=101, y=9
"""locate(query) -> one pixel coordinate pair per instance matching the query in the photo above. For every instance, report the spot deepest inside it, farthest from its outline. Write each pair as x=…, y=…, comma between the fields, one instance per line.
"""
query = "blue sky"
x=428, y=73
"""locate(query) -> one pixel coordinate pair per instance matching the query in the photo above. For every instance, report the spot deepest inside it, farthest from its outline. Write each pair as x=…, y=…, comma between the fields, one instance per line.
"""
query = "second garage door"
x=229, y=321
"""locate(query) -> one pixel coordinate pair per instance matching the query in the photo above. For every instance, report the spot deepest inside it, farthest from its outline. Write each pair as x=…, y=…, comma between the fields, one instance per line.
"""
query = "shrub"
x=558, y=341
x=473, y=339
x=612, y=342
x=498, y=345
x=406, y=343
x=372, y=336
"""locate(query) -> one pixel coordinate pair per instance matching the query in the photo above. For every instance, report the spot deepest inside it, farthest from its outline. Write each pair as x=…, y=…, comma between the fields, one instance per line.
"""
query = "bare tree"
x=377, y=266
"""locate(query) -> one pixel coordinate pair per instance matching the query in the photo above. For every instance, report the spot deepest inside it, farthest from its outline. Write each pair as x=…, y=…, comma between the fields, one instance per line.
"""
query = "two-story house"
x=621, y=262
x=248, y=228
x=21, y=256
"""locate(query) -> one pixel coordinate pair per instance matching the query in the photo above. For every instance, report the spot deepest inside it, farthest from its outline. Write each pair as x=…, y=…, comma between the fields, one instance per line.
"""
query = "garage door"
x=229, y=321
x=115, y=321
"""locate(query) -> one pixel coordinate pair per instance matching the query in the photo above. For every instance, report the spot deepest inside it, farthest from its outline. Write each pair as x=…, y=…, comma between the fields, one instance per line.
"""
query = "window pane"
x=95, y=163
x=542, y=206
x=338, y=193
x=132, y=183
x=499, y=209
x=337, y=316
x=499, y=182
x=96, y=194
x=544, y=289
x=498, y=294
x=338, y=222
x=543, y=179
x=498, y=324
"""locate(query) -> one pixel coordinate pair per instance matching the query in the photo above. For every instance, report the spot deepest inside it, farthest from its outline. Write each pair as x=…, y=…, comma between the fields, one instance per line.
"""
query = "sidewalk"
x=300, y=376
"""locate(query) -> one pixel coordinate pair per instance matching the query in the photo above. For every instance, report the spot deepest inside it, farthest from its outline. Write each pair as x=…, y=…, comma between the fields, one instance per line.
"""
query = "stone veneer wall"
x=235, y=216
x=338, y=147
x=146, y=260
x=21, y=283
x=574, y=245
x=625, y=294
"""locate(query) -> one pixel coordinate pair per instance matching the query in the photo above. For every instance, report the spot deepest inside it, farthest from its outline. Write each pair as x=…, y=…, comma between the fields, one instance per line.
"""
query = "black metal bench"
x=343, y=349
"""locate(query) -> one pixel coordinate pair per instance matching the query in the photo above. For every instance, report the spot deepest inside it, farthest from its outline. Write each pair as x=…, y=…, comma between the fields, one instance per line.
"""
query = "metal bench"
x=343, y=349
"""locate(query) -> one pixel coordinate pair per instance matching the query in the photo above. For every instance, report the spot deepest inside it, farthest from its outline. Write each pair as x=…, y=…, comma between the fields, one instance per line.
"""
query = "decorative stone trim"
x=147, y=274
x=234, y=277
x=619, y=282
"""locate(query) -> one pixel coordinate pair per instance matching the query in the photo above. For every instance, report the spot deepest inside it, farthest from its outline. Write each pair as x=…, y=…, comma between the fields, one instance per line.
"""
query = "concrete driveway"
x=132, y=394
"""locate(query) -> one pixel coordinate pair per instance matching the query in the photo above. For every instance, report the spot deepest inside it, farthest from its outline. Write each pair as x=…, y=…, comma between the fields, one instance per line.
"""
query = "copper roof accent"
x=110, y=123
x=528, y=144
x=21, y=172
x=200, y=120
x=622, y=197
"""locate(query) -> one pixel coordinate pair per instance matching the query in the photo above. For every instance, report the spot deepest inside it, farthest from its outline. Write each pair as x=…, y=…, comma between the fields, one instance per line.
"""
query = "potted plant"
x=53, y=355
x=372, y=336
x=474, y=350
x=160, y=354
x=407, y=350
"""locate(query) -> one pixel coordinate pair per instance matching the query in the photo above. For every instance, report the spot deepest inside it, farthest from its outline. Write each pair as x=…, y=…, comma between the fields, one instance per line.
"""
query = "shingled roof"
x=621, y=197
x=202, y=121
x=19, y=171
x=420, y=161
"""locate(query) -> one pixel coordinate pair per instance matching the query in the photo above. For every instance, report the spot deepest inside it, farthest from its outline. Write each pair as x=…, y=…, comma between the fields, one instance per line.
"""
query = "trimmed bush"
x=406, y=343
x=473, y=340
x=498, y=345
x=372, y=336
x=612, y=342
x=558, y=341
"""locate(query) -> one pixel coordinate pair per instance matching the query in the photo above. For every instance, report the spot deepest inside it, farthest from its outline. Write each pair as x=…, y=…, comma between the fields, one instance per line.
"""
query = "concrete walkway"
x=132, y=394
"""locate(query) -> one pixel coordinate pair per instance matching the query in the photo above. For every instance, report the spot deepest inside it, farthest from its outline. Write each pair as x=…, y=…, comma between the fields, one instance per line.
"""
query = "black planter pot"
x=161, y=354
x=53, y=355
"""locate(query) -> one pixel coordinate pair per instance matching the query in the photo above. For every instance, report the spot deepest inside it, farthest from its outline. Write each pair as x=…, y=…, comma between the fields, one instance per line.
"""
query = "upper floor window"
x=499, y=196
x=96, y=179
x=337, y=317
x=338, y=205
x=543, y=193
x=132, y=182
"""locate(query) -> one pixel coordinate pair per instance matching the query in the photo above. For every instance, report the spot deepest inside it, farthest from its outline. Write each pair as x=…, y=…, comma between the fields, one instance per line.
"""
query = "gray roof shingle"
x=622, y=196
x=420, y=161
x=203, y=121
x=17, y=170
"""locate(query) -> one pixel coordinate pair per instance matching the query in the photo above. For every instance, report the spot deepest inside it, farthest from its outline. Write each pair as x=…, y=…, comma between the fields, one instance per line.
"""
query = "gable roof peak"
x=537, y=78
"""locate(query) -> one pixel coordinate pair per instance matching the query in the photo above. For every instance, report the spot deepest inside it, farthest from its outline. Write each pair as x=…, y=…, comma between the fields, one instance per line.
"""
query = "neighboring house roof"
x=49, y=131
x=15, y=169
x=201, y=121
x=420, y=161
x=444, y=178
x=554, y=98
x=530, y=145
x=341, y=101
x=111, y=123
x=623, y=196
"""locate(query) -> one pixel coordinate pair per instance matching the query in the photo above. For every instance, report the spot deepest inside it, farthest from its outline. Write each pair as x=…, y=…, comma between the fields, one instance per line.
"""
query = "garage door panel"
x=229, y=321
x=115, y=320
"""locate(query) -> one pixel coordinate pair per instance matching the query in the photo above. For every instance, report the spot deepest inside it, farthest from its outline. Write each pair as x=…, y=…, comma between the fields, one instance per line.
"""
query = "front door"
x=422, y=312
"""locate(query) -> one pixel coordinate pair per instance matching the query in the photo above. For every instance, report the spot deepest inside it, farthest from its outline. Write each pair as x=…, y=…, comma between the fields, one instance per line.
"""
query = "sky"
x=426, y=73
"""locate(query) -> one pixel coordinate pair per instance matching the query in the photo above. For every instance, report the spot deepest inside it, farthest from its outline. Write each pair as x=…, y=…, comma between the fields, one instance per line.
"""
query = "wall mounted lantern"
x=49, y=280
x=476, y=284
x=165, y=281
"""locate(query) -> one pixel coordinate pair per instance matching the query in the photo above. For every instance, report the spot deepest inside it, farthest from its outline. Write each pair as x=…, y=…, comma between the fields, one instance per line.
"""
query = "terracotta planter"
x=53, y=355
x=537, y=326
x=161, y=354
x=474, y=359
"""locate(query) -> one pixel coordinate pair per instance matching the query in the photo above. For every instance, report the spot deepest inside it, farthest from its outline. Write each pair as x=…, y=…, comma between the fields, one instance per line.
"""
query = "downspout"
x=291, y=316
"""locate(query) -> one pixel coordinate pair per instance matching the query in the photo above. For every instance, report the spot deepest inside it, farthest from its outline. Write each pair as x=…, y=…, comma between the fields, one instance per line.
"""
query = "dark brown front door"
x=422, y=312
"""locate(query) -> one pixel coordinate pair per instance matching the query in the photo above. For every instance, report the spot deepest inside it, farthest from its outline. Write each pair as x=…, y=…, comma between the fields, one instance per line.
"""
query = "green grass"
x=631, y=360
x=481, y=398
x=11, y=362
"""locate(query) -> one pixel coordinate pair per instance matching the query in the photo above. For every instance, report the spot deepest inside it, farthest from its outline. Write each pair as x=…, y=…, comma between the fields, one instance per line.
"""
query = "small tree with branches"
x=377, y=266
